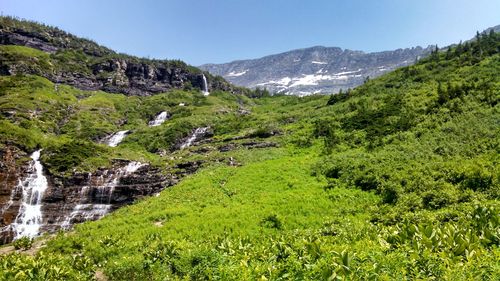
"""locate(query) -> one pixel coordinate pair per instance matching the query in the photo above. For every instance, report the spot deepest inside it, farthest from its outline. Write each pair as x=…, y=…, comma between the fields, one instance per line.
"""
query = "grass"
x=235, y=199
x=396, y=180
x=260, y=201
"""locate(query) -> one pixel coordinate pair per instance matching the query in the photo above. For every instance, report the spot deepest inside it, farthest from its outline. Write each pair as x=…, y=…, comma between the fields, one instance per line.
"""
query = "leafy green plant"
x=272, y=221
x=396, y=180
x=23, y=243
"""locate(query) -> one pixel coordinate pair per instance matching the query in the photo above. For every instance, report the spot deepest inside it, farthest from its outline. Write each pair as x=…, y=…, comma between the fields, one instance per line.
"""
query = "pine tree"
x=448, y=53
x=459, y=49
x=435, y=53
x=443, y=96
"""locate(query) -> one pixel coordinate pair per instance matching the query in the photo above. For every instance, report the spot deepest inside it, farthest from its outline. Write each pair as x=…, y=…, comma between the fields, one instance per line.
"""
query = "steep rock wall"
x=77, y=198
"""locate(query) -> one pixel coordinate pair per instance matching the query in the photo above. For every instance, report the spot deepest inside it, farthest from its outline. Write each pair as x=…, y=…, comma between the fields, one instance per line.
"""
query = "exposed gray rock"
x=13, y=165
x=80, y=196
x=228, y=147
x=29, y=40
x=88, y=66
x=188, y=167
x=255, y=144
x=314, y=70
x=248, y=145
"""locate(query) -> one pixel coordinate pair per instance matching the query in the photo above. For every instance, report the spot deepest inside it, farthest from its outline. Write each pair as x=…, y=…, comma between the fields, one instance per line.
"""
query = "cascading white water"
x=159, y=119
x=205, y=86
x=29, y=218
x=194, y=136
x=116, y=138
x=83, y=194
x=86, y=212
x=107, y=184
x=132, y=167
x=127, y=170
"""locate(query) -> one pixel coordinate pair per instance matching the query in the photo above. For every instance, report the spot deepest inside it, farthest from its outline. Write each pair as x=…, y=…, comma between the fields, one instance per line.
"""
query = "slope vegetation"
x=396, y=179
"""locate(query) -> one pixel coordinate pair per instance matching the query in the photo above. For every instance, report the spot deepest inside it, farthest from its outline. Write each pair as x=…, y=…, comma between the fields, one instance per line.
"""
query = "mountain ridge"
x=68, y=59
x=395, y=179
x=316, y=69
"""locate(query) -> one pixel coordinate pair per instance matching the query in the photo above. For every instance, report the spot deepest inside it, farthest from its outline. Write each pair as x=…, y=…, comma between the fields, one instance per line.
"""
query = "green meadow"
x=397, y=179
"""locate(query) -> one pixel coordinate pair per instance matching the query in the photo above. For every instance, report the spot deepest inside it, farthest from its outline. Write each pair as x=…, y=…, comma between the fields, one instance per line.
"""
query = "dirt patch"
x=37, y=245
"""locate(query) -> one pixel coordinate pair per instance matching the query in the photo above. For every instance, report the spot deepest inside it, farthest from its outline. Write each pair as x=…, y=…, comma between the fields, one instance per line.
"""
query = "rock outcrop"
x=76, y=198
x=14, y=164
x=88, y=66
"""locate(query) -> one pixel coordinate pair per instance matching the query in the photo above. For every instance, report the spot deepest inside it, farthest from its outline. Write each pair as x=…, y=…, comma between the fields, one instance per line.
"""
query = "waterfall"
x=159, y=119
x=116, y=138
x=127, y=170
x=84, y=210
x=132, y=167
x=205, y=86
x=194, y=136
x=29, y=218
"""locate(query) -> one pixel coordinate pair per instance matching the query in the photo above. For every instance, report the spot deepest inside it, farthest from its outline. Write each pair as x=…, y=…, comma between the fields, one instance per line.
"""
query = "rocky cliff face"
x=13, y=167
x=76, y=198
x=82, y=63
x=34, y=201
x=314, y=70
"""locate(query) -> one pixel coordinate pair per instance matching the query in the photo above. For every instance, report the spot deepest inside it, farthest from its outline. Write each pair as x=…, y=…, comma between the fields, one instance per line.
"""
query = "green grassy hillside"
x=396, y=179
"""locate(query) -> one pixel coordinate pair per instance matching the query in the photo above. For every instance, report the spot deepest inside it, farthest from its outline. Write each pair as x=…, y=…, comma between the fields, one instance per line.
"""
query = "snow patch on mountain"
x=309, y=80
x=236, y=74
x=348, y=72
x=314, y=70
x=312, y=79
x=282, y=82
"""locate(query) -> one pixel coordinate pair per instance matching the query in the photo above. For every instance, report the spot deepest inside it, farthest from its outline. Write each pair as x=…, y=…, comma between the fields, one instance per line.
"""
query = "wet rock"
x=197, y=136
x=228, y=147
x=189, y=167
x=14, y=163
x=204, y=150
x=254, y=144
x=81, y=196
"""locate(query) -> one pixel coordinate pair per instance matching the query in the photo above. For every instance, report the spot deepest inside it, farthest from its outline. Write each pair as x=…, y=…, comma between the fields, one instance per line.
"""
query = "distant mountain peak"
x=316, y=69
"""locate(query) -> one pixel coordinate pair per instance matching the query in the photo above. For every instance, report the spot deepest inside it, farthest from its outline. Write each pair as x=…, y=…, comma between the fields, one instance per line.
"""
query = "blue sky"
x=215, y=31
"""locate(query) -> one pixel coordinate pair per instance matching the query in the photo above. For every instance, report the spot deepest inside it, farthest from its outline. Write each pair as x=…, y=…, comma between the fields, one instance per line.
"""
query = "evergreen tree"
x=435, y=53
x=459, y=49
x=448, y=53
x=443, y=96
